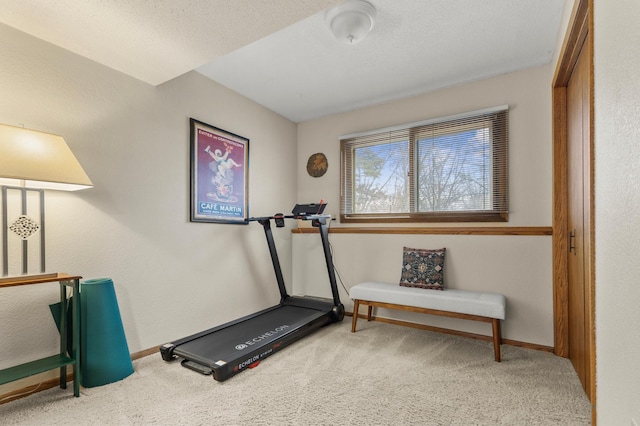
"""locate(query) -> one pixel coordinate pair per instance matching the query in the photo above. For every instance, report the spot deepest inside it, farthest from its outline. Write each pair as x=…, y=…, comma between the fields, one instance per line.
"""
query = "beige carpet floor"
x=380, y=375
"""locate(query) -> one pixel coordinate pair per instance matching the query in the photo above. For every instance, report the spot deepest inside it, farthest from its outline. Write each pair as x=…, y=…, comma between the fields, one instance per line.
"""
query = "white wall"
x=517, y=266
x=617, y=203
x=172, y=277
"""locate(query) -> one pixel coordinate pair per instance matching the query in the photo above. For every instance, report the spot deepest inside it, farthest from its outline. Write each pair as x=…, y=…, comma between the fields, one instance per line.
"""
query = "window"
x=452, y=169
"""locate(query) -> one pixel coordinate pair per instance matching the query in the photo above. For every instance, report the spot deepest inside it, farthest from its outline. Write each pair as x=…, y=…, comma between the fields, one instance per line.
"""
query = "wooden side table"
x=62, y=359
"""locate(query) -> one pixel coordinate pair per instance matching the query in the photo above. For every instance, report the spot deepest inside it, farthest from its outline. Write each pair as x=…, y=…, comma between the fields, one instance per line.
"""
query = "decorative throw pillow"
x=423, y=268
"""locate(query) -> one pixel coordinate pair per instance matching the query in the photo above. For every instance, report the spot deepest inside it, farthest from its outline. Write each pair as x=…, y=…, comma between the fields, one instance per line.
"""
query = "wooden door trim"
x=576, y=34
x=579, y=33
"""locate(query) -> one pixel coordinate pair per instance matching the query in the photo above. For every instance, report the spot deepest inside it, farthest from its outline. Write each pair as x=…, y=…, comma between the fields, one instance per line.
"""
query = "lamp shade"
x=40, y=160
x=351, y=21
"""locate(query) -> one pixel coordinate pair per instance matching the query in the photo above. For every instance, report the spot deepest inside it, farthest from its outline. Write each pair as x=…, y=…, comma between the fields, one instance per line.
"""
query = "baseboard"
x=31, y=389
x=145, y=352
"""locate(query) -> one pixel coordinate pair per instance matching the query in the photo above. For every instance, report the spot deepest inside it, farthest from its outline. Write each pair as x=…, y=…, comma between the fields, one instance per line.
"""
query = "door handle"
x=572, y=237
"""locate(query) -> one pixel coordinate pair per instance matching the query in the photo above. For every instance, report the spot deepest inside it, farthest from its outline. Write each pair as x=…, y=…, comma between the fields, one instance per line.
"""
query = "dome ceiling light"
x=351, y=21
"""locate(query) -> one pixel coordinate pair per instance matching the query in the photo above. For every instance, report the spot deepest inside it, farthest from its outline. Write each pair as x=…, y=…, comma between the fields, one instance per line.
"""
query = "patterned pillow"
x=423, y=268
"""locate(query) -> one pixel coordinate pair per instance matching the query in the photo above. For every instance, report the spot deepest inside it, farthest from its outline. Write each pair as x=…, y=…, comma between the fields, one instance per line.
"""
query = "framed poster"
x=219, y=175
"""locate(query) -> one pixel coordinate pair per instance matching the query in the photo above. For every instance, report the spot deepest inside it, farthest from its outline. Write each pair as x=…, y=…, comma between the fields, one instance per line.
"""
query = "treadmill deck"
x=231, y=348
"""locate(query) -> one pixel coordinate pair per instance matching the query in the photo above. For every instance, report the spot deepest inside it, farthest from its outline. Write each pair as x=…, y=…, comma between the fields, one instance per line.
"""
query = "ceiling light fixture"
x=351, y=21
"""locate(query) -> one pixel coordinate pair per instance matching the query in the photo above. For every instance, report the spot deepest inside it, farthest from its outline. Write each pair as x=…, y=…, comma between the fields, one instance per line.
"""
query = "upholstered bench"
x=470, y=305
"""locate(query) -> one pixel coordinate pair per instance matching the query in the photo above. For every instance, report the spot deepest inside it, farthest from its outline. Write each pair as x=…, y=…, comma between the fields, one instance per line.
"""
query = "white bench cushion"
x=490, y=305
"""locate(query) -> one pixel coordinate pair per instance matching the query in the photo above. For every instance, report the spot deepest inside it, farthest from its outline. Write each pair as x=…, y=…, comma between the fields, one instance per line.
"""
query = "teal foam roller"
x=104, y=353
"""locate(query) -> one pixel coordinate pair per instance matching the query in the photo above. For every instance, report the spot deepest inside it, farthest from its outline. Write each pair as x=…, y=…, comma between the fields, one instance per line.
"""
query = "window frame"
x=499, y=170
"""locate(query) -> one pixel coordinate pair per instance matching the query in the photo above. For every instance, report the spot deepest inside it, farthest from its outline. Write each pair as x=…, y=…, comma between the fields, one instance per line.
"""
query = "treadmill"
x=230, y=348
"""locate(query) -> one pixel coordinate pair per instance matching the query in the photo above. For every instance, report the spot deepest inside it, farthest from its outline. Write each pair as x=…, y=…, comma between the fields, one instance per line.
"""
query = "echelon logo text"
x=261, y=337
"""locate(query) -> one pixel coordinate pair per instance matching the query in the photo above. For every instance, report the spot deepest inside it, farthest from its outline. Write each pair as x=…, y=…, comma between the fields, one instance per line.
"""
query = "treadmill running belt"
x=228, y=344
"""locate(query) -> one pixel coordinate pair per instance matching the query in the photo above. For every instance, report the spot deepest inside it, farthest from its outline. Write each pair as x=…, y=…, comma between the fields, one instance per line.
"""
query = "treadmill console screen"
x=308, y=209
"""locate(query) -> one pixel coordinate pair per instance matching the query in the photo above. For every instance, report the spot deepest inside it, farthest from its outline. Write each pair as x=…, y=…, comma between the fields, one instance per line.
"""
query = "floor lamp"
x=31, y=162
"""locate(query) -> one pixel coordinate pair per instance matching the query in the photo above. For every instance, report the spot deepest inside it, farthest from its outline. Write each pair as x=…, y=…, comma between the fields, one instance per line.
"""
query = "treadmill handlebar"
x=290, y=216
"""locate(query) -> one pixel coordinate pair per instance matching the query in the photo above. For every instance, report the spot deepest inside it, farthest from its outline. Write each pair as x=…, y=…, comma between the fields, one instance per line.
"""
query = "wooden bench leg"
x=497, y=339
x=369, y=311
x=356, y=305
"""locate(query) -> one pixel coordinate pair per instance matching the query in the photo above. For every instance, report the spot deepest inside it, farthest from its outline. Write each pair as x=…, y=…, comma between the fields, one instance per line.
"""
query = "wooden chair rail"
x=463, y=230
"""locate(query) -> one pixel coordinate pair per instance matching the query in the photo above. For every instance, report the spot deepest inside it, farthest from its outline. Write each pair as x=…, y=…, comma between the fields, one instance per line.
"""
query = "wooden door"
x=580, y=319
x=573, y=196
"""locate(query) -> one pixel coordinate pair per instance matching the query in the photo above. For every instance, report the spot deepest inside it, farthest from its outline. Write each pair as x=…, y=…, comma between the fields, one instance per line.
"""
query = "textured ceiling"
x=154, y=40
x=281, y=54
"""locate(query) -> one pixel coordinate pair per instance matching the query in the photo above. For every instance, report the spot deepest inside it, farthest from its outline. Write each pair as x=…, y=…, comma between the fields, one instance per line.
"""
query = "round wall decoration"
x=317, y=165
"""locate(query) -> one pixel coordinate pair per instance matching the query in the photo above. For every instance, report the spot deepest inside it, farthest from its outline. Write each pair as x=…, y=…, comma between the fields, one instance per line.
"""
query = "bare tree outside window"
x=452, y=172
x=380, y=174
